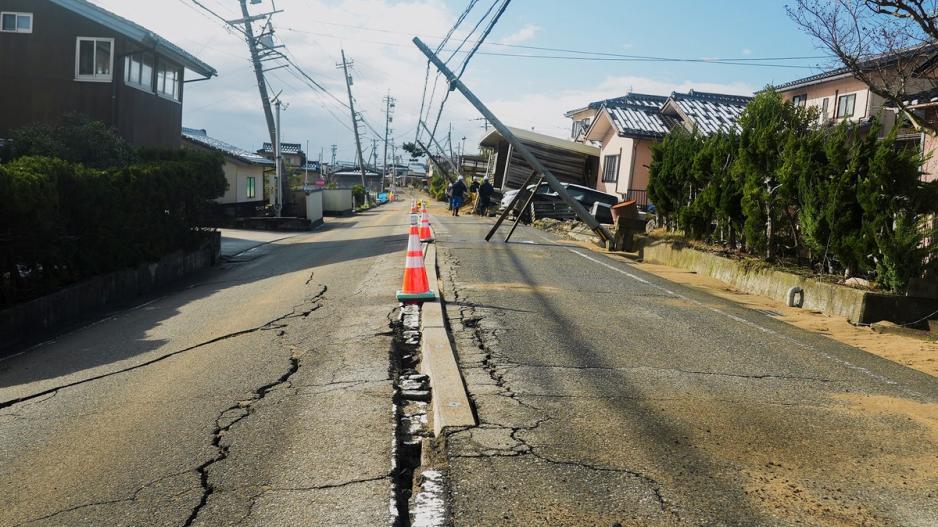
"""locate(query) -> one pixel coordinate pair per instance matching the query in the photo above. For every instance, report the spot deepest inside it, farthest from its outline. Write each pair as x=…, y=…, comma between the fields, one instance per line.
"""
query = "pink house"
x=626, y=127
x=839, y=96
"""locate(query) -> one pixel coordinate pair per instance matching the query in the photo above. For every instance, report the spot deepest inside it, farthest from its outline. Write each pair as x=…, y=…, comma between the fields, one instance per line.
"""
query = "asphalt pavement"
x=258, y=393
x=610, y=397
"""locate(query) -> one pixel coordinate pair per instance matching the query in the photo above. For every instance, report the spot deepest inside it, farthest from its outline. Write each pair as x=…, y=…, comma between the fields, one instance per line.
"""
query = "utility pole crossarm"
x=522, y=149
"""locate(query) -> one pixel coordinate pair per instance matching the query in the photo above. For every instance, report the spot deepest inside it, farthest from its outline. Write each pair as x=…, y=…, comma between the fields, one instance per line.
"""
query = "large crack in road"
x=302, y=310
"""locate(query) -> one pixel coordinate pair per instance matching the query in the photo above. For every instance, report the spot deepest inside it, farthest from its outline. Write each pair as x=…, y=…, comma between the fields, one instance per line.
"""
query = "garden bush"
x=840, y=199
x=62, y=221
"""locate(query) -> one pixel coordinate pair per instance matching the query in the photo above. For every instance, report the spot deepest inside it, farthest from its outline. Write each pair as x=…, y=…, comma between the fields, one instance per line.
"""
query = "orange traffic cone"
x=426, y=235
x=416, y=286
x=413, y=207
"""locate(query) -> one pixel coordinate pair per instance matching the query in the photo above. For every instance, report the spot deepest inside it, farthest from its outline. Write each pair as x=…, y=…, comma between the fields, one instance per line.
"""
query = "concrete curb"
x=450, y=401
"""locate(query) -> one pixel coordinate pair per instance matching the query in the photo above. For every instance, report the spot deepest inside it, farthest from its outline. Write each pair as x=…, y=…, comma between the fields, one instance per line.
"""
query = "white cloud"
x=525, y=34
x=746, y=51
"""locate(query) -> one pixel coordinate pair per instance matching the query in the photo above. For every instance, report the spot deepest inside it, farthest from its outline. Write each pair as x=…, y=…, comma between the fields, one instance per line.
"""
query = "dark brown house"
x=71, y=56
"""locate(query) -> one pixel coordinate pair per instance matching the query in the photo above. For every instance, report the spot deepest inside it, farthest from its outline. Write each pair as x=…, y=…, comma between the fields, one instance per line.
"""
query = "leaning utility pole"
x=389, y=103
x=256, y=59
x=278, y=190
x=521, y=148
x=351, y=104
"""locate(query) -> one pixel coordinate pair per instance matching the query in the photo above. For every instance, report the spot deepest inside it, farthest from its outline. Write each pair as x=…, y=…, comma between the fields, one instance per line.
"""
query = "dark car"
x=585, y=195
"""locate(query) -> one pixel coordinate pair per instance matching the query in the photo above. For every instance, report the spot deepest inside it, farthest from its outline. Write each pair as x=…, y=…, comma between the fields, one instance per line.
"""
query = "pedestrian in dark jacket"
x=458, y=195
x=485, y=195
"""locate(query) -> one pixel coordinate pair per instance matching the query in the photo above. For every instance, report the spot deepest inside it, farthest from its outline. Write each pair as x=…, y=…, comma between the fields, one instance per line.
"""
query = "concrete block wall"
x=28, y=321
x=832, y=299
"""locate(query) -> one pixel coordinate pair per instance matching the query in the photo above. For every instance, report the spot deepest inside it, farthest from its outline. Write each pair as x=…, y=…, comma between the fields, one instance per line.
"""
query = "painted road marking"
x=842, y=362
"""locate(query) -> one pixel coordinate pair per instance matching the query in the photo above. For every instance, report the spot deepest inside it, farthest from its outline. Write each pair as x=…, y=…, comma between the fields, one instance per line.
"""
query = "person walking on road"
x=458, y=194
x=473, y=195
x=449, y=196
x=485, y=195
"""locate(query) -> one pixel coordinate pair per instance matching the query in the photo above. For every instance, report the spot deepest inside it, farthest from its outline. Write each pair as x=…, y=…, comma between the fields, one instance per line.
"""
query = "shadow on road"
x=125, y=334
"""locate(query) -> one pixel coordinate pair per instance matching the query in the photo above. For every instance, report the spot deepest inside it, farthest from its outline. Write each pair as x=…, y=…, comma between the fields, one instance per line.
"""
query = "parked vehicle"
x=585, y=195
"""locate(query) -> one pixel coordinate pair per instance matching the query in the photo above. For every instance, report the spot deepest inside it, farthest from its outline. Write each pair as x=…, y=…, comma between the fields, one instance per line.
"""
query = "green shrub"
x=842, y=199
x=63, y=222
x=76, y=138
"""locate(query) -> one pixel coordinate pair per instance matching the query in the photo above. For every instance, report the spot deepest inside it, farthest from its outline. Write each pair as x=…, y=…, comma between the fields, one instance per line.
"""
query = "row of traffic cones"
x=416, y=285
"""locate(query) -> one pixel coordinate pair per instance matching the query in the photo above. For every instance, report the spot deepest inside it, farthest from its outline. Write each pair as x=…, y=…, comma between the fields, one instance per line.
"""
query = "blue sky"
x=524, y=92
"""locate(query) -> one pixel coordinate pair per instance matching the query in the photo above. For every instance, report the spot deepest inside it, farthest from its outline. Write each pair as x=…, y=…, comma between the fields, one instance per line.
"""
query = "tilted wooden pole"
x=456, y=84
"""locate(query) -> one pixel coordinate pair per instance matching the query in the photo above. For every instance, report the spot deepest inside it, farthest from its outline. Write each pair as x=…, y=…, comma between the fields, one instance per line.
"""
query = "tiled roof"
x=711, y=112
x=285, y=148
x=641, y=99
x=872, y=63
x=201, y=137
x=632, y=99
x=638, y=120
x=138, y=33
x=811, y=79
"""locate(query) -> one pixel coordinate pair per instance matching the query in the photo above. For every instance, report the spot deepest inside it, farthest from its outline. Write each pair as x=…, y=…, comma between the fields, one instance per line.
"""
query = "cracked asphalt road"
x=255, y=394
x=610, y=397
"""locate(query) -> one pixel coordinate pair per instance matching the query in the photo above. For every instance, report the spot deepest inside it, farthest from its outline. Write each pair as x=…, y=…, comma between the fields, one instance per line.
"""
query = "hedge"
x=62, y=221
x=841, y=199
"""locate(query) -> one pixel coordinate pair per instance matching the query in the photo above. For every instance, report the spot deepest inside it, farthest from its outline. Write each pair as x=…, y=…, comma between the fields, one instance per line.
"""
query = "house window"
x=16, y=22
x=800, y=100
x=94, y=58
x=824, y=105
x=138, y=71
x=252, y=188
x=611, y=169
x=845, y=105
x=168, y=80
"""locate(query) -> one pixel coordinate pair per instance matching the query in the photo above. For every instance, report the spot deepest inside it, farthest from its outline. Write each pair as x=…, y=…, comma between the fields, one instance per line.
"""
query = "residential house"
x=839, y=96
x=925, y=103
x=583, y=117
x=244, y=172
x=626, y=128
x=567, y=160
x=71, y=56
x=294, y=157
x=351, y=176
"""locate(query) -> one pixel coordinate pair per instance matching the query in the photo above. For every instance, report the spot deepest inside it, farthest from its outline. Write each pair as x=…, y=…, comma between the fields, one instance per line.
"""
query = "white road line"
x=749, y=323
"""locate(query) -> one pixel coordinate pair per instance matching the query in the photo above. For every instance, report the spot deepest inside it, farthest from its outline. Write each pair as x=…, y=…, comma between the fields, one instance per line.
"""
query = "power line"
x=541, y=48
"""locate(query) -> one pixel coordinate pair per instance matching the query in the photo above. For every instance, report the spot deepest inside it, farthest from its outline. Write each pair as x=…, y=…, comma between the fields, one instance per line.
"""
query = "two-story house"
x=625, y=129
x=838, y=96
x=71, y=56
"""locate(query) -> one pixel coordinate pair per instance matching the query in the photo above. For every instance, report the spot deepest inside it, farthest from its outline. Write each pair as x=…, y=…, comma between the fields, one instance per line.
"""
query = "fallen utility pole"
x=358, y=142
x=534, y=162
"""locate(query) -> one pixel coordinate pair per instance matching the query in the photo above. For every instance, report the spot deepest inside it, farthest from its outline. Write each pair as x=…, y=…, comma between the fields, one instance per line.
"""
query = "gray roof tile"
x=202, y=138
